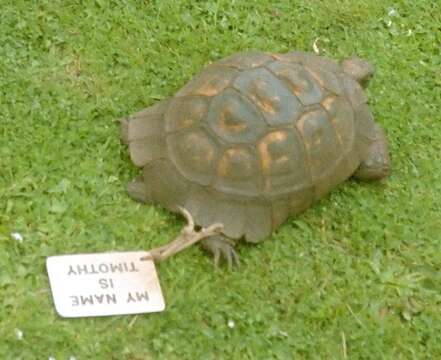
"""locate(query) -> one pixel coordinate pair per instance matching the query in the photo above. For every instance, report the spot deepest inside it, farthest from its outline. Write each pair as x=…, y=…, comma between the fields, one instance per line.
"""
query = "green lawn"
x=357, y=276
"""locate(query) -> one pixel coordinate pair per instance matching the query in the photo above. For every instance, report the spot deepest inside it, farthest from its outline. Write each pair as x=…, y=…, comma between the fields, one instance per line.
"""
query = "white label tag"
x=104, y=284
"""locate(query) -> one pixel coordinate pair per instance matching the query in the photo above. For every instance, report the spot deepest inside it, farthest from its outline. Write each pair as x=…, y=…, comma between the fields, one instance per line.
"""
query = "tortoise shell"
x=251, y=140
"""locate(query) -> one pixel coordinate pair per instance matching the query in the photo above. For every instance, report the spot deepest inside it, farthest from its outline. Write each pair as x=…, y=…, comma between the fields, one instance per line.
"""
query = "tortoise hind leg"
x=376, y=163
x=221, y=247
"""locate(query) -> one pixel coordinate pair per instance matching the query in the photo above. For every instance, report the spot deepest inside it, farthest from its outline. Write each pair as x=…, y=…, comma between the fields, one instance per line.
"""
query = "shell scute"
x=342, y=118
x=326, y=78
x=301, y=83
x=194, y=153
x=365, y=128
x=234, y=118
x=282, y=161
x=275, y=101
x=238, y=172
x=145, y=134
x=186, y=112
x=320, y=141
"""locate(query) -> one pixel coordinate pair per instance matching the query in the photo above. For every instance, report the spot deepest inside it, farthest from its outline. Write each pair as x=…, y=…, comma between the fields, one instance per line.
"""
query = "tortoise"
x=251, y=140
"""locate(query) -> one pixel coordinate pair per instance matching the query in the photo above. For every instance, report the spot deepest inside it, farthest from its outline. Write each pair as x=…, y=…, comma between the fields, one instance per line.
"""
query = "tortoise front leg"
x=376, y=163
x=222, y=248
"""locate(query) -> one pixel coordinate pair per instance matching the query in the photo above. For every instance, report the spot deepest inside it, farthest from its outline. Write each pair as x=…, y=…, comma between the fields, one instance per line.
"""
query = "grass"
x=357, y=276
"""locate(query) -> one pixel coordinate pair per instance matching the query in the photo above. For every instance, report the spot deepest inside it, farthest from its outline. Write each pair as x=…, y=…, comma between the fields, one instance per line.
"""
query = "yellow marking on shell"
x=208, y=90
x=212, y=86
x=317, y=77
x=185, y=112
x=259, y=83
x=267, y=105
x=266, y=158
x=256, y=86
x=283, y=57
x=318, y=137
x=327, y=104
x=225, y=169
x=318, y=134
x=255, y=63
x=337, y=134
x=300, y=87
x=300, y=126
x=186, y=122
x=282, y=159
x=222, y=169
x=206, y=153
x=228, y=125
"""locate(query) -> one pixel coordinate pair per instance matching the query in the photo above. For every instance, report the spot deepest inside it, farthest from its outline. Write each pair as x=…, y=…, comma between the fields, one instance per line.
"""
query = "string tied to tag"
x=188, y=236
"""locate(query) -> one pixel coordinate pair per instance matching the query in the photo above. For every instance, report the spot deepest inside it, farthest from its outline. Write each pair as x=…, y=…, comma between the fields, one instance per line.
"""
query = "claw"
x=236, y=261
x=222, y=248
x=216, y=256
x=229, y=261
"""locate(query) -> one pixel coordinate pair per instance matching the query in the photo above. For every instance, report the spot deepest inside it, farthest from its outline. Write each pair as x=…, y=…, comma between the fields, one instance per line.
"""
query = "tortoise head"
x=358, y=69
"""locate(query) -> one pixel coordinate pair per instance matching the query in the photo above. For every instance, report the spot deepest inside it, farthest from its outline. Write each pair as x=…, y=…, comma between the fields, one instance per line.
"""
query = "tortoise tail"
x=144, y=133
